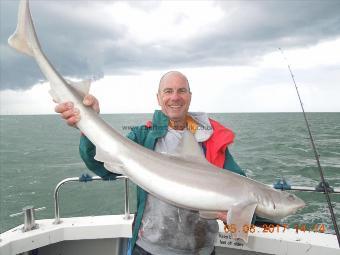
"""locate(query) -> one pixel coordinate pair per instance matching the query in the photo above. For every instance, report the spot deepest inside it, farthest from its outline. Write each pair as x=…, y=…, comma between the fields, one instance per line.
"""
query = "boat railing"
x=88, y=178
x=282, y=184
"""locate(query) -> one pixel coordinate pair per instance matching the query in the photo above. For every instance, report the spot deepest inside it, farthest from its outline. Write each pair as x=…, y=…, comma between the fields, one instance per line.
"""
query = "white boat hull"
x=103, y=235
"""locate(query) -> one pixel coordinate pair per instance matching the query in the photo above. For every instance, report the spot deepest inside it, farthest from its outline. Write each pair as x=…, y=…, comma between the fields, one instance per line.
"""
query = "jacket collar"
x=160, y=124
x=204, y=130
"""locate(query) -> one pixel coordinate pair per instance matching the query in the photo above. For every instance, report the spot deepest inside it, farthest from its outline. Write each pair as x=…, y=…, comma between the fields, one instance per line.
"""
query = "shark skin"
x=185, y=180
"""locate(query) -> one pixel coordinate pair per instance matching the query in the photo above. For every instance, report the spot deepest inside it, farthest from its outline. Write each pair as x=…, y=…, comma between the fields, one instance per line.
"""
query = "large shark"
x=185, y=180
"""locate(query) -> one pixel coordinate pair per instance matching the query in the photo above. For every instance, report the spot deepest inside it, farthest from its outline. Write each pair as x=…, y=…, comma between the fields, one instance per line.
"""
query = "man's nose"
x=175, y=96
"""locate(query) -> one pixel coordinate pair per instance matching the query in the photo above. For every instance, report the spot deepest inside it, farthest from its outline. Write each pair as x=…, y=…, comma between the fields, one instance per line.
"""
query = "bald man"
x=159, y=227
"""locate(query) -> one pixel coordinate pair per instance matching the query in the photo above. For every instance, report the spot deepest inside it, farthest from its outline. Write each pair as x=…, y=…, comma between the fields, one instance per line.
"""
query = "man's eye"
x=182, y=91
x=167, y=91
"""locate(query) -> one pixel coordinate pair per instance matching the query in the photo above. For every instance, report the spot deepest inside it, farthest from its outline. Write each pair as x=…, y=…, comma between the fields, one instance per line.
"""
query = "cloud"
x=97, y=38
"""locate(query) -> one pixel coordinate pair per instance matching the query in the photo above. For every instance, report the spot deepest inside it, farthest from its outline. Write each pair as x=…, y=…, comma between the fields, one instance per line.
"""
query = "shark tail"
x=20, y=38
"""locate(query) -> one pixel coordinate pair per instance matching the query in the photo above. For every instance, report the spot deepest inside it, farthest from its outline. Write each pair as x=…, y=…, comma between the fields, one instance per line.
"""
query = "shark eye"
x=291, y=197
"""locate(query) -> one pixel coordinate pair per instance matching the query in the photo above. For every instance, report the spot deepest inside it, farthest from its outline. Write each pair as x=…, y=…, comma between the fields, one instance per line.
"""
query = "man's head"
x=174, y=95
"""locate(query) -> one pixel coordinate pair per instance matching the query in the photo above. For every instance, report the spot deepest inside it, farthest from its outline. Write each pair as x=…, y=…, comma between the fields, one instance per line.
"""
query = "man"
x=159, y=227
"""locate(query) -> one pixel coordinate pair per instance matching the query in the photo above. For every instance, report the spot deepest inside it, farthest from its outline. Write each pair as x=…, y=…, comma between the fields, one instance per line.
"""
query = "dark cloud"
x=79, y=46
x=71, y=45
x=258, y=27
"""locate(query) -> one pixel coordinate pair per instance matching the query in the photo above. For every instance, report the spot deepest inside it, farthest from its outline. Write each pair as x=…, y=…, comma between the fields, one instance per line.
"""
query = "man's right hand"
x=71, y=114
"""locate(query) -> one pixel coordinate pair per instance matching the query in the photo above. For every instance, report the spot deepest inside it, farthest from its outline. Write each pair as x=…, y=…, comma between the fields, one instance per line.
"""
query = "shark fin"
x=111, y=165
x=209, y=215
x=82, y=87
x=114, y=167
x=54, y=96
x=189, y=149
x=19, y=39
x=240, y=215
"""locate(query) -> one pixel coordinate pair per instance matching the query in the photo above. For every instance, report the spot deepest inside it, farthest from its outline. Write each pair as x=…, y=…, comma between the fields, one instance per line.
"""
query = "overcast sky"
x=227, y=49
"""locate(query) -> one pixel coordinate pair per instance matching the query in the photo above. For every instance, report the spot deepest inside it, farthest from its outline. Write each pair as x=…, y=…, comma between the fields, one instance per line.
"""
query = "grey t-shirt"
x=169, y=230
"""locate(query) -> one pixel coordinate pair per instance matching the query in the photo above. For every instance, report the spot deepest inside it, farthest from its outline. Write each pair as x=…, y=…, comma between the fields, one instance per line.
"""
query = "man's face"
x=174, y=97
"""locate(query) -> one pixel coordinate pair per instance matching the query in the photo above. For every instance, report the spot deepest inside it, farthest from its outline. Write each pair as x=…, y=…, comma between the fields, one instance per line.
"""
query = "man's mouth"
x=175, y=106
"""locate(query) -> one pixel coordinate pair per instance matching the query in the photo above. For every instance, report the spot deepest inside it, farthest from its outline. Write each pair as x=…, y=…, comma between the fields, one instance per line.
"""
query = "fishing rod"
x=316, y=154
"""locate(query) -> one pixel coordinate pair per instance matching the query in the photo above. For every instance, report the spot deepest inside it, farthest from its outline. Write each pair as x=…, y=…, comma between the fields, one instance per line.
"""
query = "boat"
x=109, y=234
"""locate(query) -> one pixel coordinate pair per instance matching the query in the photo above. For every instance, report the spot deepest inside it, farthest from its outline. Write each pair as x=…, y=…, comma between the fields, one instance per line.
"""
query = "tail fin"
x=19, y=40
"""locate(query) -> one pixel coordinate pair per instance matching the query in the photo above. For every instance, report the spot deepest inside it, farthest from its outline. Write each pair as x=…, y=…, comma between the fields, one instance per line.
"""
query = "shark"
x=185, y=179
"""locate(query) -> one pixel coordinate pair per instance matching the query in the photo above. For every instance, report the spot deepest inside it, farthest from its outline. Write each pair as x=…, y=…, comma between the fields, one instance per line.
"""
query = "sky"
x=227, y=49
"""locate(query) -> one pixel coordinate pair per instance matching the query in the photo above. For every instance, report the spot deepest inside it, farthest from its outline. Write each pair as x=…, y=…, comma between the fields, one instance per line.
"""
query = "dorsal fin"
x=82, y=87
x=189, y=148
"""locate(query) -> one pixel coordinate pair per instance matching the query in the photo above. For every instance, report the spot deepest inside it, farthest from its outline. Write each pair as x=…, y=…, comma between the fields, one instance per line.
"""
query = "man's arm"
x=87, y=152
x=86, y=148
x=231, y=164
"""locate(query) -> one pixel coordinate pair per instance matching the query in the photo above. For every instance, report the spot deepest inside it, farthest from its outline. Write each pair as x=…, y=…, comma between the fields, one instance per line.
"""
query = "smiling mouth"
x=175, y=106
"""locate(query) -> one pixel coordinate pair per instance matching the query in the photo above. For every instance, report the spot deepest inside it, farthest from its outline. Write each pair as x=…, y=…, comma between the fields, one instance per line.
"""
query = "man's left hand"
x=222, y=216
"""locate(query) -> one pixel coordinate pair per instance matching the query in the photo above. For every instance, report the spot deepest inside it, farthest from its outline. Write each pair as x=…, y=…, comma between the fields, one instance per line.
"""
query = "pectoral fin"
x=241, y=215
x=189, y=149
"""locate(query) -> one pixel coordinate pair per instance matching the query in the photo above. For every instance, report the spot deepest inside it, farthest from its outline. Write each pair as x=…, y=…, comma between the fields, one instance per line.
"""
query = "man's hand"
x=71, y=114
x=222, y=216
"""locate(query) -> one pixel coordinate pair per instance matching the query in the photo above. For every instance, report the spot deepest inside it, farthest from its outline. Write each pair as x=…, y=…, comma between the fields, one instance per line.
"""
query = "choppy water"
x=36, y=152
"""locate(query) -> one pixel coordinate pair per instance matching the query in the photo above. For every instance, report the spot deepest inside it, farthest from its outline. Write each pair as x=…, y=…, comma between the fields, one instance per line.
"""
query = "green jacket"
x=146, y=137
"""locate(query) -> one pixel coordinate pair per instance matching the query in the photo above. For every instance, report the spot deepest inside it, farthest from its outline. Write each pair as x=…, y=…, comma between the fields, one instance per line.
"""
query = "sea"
x=38, y=151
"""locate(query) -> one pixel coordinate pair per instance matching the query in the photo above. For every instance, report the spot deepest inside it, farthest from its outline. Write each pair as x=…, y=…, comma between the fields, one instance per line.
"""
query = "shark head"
x=294, y=203
x=287, y=204
x=276, y=205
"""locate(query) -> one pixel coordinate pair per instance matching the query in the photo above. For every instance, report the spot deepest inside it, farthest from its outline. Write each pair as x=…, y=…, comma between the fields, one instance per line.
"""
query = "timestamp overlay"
x=266, y=237
x=274, y=228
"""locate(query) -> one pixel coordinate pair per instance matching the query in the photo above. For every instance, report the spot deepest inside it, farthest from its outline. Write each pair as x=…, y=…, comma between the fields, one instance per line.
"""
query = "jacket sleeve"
x=231, y=165
x=87, y=152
